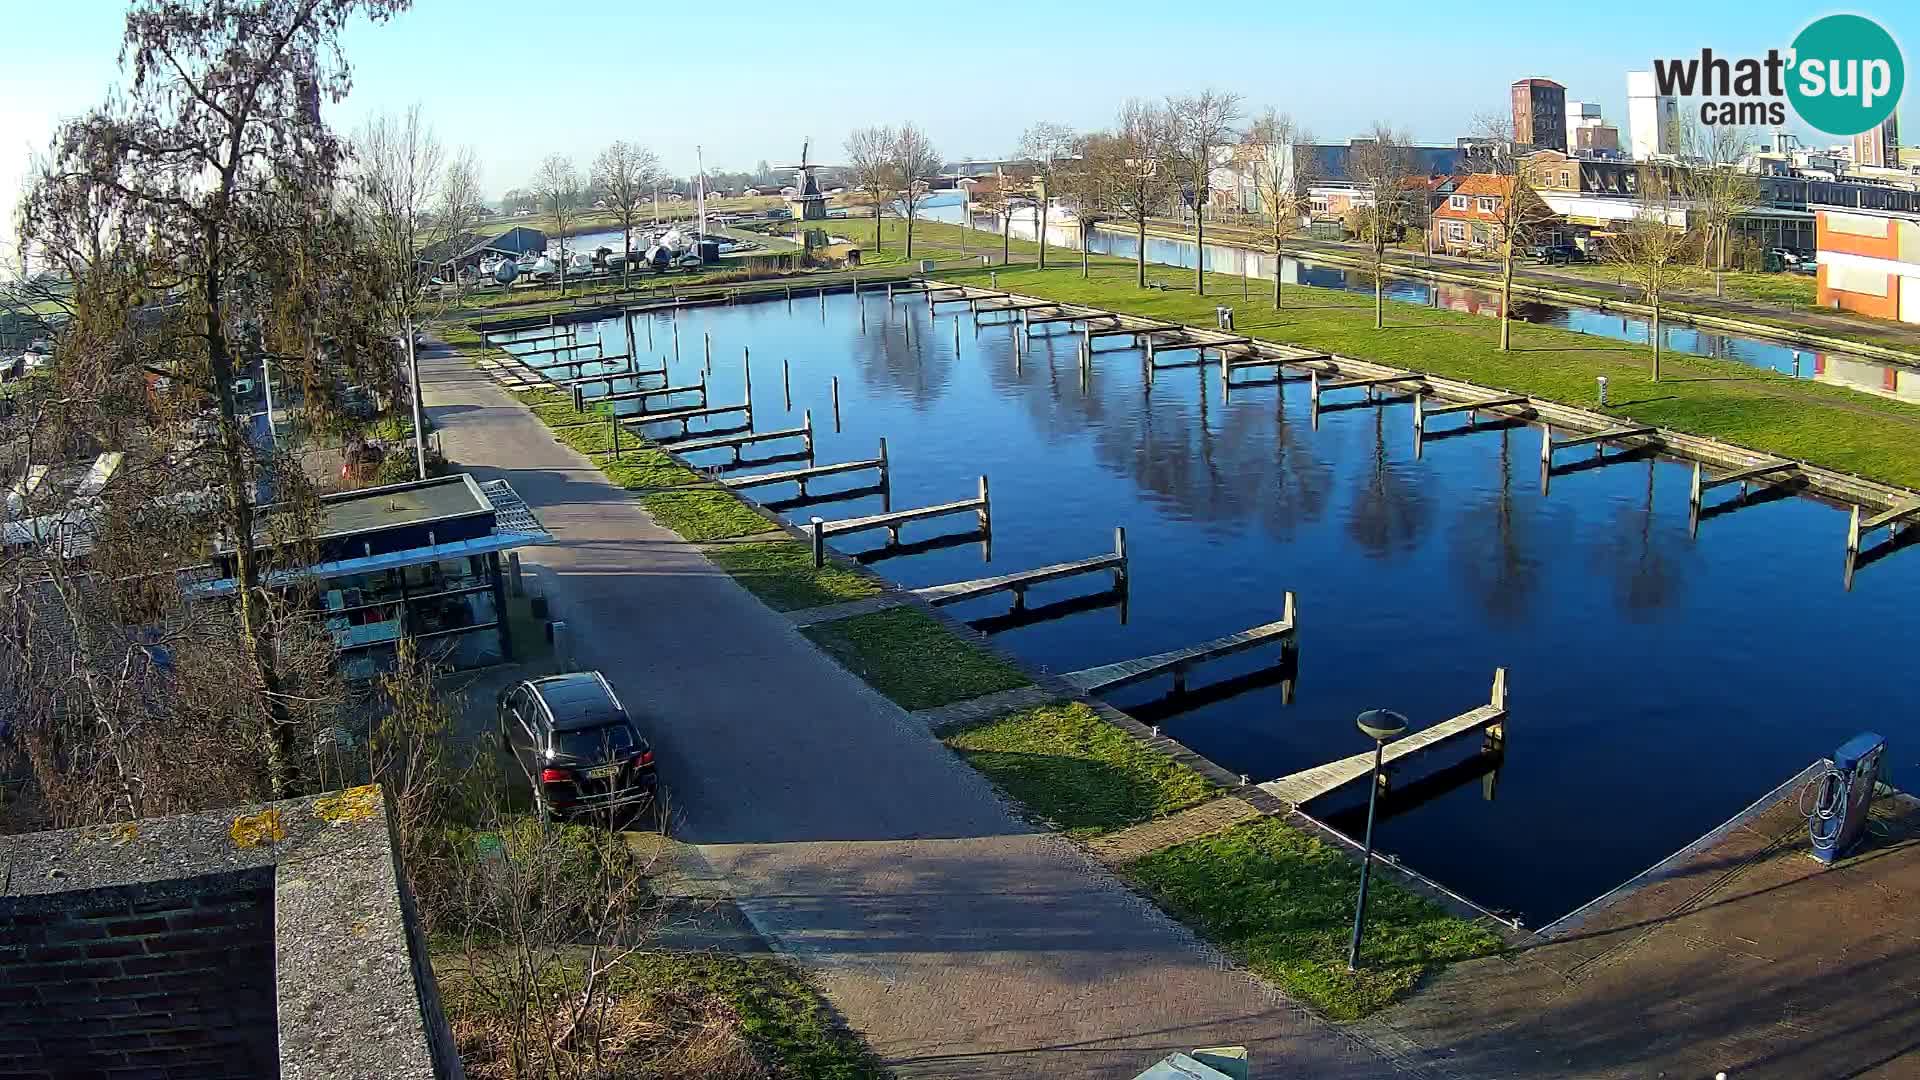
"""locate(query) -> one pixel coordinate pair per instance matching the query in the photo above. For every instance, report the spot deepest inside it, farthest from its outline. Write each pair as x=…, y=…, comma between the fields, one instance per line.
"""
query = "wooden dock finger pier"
x=1309, y=784
x=1020, y=581
x=980, y=506
x=1178, y=662
x=801, y=477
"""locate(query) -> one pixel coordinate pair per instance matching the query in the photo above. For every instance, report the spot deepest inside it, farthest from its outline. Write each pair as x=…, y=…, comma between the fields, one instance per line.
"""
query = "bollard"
x=1602, y=380
x=562, y=641
x=817, y=527
x=1796, y=363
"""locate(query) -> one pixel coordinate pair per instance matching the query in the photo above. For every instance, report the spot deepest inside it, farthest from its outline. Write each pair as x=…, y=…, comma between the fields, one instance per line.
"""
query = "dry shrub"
x=661, y=1033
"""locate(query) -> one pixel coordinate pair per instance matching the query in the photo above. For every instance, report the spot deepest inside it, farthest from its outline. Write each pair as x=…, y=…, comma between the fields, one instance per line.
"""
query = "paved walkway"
x=1744, y=956
x=961, y=942
x=1139, y=841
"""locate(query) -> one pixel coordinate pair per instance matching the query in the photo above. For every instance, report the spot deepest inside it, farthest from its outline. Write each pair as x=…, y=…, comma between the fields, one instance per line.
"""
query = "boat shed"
x=466, y=250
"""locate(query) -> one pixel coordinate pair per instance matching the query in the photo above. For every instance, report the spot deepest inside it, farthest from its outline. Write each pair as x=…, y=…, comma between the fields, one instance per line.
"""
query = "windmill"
x=812, y=204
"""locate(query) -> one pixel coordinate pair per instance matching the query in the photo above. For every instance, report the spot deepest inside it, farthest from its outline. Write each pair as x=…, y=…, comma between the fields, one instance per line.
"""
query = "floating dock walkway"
x=1177, y=662
x=1308, y=784
x=736, y=442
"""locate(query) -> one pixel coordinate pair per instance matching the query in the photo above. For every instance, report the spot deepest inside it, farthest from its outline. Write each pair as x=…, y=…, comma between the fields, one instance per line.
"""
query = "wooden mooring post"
x=786, y=381
x=836, y=404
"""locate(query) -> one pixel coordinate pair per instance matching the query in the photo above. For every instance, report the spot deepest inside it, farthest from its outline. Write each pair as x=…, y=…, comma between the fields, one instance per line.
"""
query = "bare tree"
x=1087, y=181
x=1648, y=248
x=993, y=199
x=1380, y=165
x=557, y=183
x=1282, y=178
x=1202, y=124
x=915, y=162
x=1506, y=206
x=222, y=116
x=460, y=207
x=625, y=175
x=871, y=170
x=398, y=162
x=1046, y=145
x=1136, y=168
x=1719, y=188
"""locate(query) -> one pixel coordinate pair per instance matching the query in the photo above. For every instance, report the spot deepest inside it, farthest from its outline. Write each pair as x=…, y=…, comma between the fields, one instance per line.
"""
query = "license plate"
x=603, y=772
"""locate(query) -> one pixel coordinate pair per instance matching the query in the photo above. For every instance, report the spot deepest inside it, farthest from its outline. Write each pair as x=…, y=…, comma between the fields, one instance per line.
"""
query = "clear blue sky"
x=749, y=80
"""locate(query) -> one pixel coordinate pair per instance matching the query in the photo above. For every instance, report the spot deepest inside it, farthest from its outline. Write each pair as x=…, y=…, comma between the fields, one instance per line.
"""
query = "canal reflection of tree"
x=1497, y=551
x=1642, y=560
x=1389, y=512
x=893, y=358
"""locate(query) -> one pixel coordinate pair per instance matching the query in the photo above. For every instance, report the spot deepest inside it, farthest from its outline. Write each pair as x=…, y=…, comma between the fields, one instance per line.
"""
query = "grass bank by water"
x=781, y=573
x=909, y=656
x=1077, y=773
x=1282, y=903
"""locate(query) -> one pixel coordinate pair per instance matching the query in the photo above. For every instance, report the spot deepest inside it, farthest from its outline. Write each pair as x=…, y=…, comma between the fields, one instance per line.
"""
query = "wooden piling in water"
x=786, y=381
x=836, y=403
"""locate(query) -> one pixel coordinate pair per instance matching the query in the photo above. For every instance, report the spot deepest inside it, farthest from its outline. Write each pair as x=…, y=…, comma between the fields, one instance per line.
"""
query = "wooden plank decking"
x=1308, y=784
x=801, y=476
x=893, y=519
x=1175, y=662
x=735, y=442
x=1018, y=582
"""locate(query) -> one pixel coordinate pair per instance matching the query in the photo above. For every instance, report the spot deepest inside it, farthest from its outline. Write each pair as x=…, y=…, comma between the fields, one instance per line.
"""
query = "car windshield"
x=595, y=743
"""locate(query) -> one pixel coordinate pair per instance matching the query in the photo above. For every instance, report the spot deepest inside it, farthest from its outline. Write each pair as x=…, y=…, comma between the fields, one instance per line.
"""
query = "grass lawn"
x=1076, y=772
x=1282, y=902
x=1829, y=425
x=909, y=656
x=701, y=514
x=687, y=1008
x=781, y=573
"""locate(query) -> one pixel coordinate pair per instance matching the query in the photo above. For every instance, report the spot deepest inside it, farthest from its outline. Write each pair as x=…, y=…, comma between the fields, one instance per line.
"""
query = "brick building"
x=1470, y=217
x=1540, y=114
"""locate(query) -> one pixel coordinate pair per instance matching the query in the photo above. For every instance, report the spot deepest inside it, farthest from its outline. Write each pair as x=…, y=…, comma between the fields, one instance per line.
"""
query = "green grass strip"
x=701, y=514
x=912, y=658
x=781, y=573
x=1077, y=772
x=1282, y=902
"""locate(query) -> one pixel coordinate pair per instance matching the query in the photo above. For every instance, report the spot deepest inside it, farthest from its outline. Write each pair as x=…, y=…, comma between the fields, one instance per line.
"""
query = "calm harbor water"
x=1861, y=374
x=1659, y=683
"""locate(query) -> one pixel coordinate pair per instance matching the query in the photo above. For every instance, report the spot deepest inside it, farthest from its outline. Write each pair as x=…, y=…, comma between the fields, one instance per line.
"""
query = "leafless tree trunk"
x=871, y=167
x=1648, y=248
x=558, y=184
x=1380, y=164
x=1283, y=174
x=1046, y=145
x=626, y=174
x=915, y=162
x=1202, y=124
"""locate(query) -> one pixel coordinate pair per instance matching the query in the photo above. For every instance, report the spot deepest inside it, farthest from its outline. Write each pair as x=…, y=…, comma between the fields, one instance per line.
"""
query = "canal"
x=1871, y=376
x=1660, y=683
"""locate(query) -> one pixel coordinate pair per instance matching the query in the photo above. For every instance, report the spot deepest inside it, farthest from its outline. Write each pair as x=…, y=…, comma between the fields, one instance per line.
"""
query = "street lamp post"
x=1379, y=725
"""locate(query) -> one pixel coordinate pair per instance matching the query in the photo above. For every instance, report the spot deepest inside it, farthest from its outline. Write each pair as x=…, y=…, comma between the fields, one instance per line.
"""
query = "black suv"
x=575, y=742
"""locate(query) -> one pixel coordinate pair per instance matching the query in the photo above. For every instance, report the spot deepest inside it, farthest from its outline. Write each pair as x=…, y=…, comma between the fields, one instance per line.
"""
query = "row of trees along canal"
x=201, y=221
x=1158, y=156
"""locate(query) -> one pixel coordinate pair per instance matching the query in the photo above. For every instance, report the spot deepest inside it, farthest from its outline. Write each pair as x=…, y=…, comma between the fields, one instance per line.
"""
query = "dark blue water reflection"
x=1659, y=683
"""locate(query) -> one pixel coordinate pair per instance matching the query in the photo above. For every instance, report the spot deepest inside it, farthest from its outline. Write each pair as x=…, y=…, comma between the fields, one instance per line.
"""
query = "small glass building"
x=419, y=559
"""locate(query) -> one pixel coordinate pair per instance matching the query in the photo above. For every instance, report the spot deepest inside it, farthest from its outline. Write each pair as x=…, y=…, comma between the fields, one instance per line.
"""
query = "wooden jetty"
x=1421, y=410
x=1177, y=662
x=980, y=506
x=1765, y=473
x=552, y=349
x=1065, y=317
x=609, y=377
x=644, y=396
x=576, y=363
x=685, y=417
x=1190, y=340
x=1015, y=306
x=736, y=442
x=498, y=337
x=800, y=477
x=1019, y=582
x=1368, y=382
x=1308, y=784
x=1550, y=445
x=1893, y=517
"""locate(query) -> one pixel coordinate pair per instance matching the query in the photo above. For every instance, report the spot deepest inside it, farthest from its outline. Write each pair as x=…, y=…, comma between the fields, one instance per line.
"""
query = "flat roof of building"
x=413, y=503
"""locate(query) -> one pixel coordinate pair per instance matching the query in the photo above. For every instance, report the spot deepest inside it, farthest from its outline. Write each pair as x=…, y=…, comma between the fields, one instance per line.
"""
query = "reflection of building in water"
x=1886, y=380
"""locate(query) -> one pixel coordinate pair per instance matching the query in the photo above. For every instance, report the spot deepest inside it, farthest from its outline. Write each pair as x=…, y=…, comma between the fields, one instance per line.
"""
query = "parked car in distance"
x=578, y=747
x=1556, y=253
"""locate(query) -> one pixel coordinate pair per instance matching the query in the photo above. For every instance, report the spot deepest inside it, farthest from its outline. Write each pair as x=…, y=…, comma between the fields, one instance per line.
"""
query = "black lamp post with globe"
x=1380, y=725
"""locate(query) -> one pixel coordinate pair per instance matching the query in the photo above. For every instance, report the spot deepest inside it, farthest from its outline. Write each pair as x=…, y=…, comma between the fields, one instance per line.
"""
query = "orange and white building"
x=1869, y=262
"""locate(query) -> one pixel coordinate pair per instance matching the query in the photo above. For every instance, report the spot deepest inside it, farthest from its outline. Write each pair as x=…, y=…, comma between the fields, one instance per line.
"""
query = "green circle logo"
x=1847, y=74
